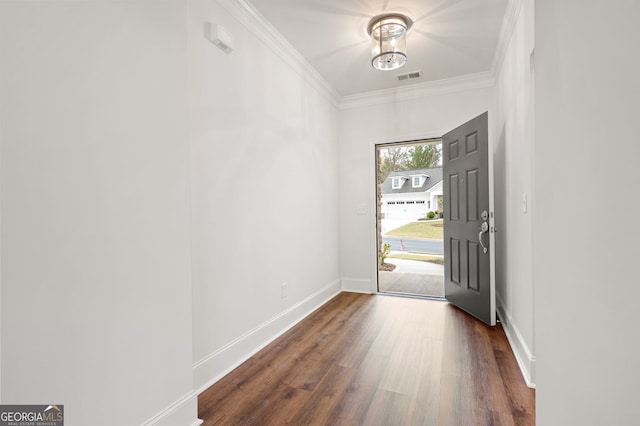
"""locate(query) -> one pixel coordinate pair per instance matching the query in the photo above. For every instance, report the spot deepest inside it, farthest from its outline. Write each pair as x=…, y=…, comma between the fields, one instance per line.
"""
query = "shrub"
x=431, y=215
x=386, y=249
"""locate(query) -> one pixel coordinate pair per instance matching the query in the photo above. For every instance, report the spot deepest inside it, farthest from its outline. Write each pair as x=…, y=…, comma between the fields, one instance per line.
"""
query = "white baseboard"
x=182, y=412
x=213, y=367
x=355, y=285
x=524, y=357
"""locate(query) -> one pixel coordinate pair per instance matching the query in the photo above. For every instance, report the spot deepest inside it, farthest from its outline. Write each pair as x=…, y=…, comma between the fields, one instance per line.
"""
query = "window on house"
x=417, y=182
x=428, y=204
x=395, y=183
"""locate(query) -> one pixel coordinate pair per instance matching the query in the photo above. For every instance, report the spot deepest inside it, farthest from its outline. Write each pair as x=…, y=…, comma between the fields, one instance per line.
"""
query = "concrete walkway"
x=416, y=267
x=413, y=277
x=422, y=284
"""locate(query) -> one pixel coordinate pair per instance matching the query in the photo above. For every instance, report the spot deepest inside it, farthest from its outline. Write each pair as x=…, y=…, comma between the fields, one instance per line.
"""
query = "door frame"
x=373, y=286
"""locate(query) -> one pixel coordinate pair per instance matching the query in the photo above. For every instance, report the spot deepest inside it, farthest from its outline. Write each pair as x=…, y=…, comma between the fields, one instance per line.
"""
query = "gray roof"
x=434, y=173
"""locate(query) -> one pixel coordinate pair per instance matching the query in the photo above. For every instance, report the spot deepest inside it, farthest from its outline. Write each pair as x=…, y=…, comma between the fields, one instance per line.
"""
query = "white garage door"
x=412, y=209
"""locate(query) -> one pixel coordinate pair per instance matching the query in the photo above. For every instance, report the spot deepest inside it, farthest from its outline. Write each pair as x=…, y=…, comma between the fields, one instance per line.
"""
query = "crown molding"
x=506, y=31
x=252, y=19
x=415, y=91
x=450, y=85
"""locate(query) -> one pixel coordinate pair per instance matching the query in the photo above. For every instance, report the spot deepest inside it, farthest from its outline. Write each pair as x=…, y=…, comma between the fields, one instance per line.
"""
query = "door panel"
x=454, y=267
x=466, y=204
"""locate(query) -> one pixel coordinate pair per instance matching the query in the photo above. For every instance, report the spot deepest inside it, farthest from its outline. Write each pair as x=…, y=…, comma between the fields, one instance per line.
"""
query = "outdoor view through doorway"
x=410, y=215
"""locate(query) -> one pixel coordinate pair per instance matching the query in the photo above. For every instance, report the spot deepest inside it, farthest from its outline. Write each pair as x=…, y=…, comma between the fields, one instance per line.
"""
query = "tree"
x=408, y=158
x=422, y=157
x=392, y=159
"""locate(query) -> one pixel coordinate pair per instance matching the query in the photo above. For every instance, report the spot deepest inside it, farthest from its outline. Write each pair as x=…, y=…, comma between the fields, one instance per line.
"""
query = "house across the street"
x=411, y=194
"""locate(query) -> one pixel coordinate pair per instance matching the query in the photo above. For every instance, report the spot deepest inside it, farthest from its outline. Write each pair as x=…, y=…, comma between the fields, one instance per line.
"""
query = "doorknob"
x=483, y=229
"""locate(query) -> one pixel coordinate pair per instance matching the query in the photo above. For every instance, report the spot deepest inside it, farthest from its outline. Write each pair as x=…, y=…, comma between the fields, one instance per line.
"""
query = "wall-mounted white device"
x=219, y=36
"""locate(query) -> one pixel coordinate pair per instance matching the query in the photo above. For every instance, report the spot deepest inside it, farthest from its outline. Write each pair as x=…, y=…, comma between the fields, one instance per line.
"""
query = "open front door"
x=467, y=266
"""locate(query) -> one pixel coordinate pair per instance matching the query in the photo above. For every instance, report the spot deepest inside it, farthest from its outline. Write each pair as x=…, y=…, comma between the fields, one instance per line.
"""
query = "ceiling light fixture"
x=389, y=40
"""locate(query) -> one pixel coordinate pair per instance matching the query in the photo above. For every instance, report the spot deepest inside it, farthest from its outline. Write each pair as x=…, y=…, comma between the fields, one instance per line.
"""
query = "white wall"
x=360, y=129
x=96, y=179
x=513, y=161
x=585, y=269
x=264, y=183
x=96, y=296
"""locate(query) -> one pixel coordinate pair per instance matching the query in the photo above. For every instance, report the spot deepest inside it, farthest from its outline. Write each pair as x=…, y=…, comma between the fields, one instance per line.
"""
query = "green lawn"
x=424, y=229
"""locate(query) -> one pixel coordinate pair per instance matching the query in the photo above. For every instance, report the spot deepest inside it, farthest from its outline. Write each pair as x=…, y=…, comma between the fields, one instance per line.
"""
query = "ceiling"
x=449, y=38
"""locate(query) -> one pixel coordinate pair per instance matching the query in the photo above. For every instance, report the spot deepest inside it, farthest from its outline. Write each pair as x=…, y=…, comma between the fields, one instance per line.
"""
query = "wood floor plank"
x=266, y=404
x=521, y=399
x=354, y=404
x=379, y=360
x=492, y=394
x=322, y=403
x=424, y=406
x=387, y=408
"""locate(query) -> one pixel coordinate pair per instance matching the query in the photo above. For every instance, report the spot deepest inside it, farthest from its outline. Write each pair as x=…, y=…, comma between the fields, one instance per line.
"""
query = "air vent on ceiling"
x=409, y=76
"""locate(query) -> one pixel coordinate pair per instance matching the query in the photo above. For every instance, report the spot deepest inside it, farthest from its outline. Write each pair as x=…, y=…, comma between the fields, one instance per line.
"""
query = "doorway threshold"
x=412, y=295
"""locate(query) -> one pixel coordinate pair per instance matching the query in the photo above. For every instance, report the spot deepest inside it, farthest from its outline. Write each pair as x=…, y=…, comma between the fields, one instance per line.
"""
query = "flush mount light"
x=389, y=40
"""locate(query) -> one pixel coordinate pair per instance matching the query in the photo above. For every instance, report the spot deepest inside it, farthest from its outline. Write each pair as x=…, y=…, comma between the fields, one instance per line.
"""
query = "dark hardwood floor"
x=377, y=360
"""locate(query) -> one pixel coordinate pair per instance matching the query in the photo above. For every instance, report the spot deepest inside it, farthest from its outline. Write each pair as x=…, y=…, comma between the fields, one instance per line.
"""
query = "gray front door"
x=467, y=266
